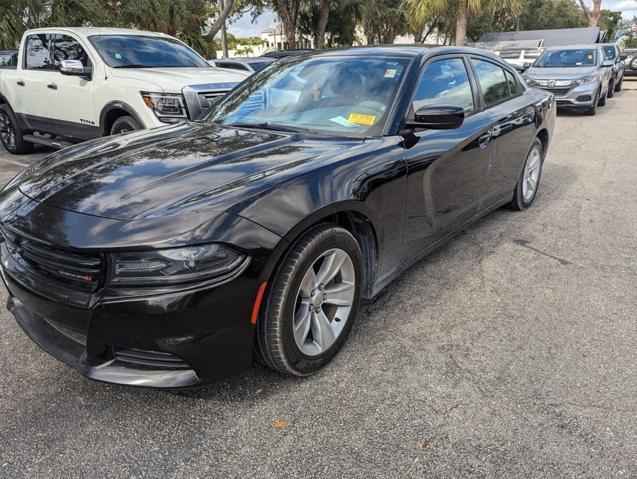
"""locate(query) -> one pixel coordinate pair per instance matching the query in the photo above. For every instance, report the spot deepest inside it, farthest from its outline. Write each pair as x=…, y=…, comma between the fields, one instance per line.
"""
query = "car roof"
x=88, y=31
x=591, y=46
x=404, y=51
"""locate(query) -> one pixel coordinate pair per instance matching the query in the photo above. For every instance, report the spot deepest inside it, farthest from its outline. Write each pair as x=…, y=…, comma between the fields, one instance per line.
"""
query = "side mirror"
x=623, y=56
x=75, y=68
x=526, y=66
x=608, y=63
x=437, y=117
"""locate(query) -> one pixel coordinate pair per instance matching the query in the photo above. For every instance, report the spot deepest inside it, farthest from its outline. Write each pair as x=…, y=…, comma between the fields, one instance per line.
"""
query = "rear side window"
x=513, y=85
x=445, y=82
x=64, y=47
x=37, y=54
x=492, y=81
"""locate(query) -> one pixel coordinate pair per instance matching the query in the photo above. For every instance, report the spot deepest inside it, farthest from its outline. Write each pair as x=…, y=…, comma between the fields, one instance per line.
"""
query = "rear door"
x=446, y=168
x=513, y=127
x=72, y=96
x=33, y=83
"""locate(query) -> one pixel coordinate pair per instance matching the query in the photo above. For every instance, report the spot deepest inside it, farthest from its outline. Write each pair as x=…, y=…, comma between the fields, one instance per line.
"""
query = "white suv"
x=75, y=84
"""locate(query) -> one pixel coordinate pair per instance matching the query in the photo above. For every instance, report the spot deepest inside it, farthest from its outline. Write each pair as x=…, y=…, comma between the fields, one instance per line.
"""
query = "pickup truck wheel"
x=125, y=124
x=10, y=133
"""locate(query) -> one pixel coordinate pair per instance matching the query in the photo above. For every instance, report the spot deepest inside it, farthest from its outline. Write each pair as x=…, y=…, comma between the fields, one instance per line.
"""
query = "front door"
x=33, y=84
x=446, y=168
x=72, y=97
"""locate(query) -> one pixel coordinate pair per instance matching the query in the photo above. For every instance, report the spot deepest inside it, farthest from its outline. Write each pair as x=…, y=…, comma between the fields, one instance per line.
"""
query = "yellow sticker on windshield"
x=361, y=119
x=589, y=56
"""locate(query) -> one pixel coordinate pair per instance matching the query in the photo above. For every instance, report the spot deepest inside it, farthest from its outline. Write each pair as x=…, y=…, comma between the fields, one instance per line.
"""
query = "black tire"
x=618, y=86
x=611, y=89
x=519, y=202
x=593, y=109
x=11, y=135
x=125, y=124
x=602, y=98
x=275, y=343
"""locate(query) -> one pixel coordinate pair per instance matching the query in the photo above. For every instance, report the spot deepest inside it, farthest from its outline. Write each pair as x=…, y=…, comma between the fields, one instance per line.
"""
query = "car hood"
x=173, y=80
x=189, y=167
x=559, y=73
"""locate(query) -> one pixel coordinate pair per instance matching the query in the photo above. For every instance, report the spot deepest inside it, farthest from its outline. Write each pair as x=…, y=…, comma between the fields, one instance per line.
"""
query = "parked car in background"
x=165, y=257
x=287, y=53
x=578, y=76
x=613, y=53
x=630, y=62
x=74, y=84
x=8, y=58
x=248, y=64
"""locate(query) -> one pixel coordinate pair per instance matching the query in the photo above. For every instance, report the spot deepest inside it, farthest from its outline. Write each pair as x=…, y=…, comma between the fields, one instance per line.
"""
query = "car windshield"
x=566, y=59
x=610, y=52
x=135, y=51
x=336, y=95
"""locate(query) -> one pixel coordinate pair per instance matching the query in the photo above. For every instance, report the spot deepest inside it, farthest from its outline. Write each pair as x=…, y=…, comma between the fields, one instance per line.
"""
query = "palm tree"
x=422, y=11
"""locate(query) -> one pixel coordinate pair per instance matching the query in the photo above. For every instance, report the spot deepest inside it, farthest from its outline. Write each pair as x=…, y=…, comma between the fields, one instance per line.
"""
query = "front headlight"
x=175, y=266
x=587, y=79
x=166, y=106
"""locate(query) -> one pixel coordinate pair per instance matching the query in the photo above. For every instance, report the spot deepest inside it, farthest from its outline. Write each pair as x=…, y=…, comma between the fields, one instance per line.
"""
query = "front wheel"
x=125, y=124
x=611, y=89
x=592, y=110
x=602, y=98
x=618, y=86
x=11, y=135
x=529, y=180
x=312, y=302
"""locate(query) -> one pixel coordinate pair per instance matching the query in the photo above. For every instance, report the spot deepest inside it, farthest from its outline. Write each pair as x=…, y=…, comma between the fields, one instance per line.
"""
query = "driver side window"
x=445, y=82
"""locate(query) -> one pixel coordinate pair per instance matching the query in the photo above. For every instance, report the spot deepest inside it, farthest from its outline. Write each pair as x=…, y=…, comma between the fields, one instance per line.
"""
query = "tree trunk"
x=461, y=25
x=592, y=17
x=289, y=25
x=224, y=11
x=224, y=35
x=324, y=13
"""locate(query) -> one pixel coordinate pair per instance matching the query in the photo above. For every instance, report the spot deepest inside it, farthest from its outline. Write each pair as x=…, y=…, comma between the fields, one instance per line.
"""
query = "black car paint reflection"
x=404, y=191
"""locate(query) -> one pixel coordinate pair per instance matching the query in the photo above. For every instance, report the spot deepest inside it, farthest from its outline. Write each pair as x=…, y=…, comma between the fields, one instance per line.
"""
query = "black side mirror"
x=526, y=66
x=623, y=56
x=437, y=117
x=608, y=63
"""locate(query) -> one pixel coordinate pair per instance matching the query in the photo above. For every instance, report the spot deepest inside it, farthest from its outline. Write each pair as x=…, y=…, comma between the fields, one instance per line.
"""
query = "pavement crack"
x=525, y=243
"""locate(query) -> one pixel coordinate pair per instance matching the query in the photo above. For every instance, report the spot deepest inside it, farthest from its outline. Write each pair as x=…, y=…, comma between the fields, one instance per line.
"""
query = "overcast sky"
x=244, y=27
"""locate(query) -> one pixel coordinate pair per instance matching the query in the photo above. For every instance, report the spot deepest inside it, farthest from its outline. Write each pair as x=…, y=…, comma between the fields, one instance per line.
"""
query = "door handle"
x=20, y=83
x=484, y=140
x=52, y=86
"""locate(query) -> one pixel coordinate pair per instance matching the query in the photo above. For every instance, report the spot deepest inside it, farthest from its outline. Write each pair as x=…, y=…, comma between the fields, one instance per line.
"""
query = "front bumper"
x=582, y=96
x=166, y=341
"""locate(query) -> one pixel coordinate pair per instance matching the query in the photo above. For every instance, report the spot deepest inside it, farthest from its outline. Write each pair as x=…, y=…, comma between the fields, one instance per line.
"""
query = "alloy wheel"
x=324, y=302
x=531, y=174
x=7, y=131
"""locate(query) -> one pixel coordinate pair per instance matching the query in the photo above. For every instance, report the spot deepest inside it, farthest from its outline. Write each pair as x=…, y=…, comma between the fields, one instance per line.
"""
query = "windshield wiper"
x=266, y=126
x=132, y=65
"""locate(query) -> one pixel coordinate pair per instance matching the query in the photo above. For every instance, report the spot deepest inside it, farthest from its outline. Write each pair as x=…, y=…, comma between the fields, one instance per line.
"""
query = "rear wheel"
x=312, y=302
x=529, y=180
x=618, y=86
x=125, y=124
x=11, y=134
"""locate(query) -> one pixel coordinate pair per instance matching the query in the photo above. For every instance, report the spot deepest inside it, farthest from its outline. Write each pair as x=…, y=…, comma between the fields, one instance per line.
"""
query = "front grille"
x=207, y=99
x=78, y=270
x=558, y=91
x=154, y=359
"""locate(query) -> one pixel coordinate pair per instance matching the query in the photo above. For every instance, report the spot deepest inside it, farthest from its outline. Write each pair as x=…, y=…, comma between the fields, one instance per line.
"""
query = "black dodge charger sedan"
x=169, y=257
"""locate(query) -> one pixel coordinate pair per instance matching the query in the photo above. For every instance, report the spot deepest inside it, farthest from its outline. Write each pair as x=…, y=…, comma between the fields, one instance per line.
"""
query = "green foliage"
x=609, y=21
x=343, y=18
x=383, y=20
x=549, y=14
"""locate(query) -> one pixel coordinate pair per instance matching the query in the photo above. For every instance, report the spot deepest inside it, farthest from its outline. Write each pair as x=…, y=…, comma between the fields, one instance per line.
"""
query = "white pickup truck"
x=75, y=84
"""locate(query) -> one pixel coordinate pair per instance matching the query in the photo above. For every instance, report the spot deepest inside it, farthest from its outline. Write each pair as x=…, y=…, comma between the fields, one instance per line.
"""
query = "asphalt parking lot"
x=509, y=352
